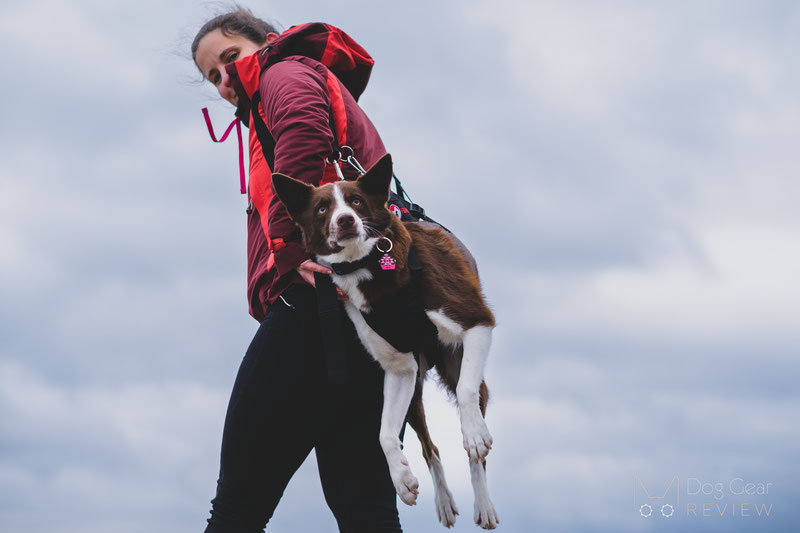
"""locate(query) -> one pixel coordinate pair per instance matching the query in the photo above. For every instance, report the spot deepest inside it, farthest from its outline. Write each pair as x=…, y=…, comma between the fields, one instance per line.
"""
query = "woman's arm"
x=296, y=105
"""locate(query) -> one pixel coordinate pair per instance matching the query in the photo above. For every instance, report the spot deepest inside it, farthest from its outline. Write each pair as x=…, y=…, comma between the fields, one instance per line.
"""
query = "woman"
x=283, y=403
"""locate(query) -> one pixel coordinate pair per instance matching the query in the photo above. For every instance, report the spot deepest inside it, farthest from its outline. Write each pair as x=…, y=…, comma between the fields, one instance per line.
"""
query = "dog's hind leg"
x=485, y=513
x=446, y=509
x=477, y=439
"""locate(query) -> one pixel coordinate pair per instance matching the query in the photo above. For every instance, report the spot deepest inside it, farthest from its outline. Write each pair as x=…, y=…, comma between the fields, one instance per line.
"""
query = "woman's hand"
x=307, y=269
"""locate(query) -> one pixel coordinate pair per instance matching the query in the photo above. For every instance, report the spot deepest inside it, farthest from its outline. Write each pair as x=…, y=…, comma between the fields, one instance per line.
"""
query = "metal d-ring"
x=377, y=245
x=344, y=150
x=334, y=156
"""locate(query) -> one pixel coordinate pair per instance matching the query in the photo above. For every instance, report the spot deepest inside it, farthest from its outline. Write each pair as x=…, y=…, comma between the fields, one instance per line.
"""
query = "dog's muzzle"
x=346, y=227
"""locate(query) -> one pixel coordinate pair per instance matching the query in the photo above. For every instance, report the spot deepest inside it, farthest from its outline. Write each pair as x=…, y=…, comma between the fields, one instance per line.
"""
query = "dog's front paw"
x=485, y=514
x=477, y=439
x=405, y=483
x=446, y=509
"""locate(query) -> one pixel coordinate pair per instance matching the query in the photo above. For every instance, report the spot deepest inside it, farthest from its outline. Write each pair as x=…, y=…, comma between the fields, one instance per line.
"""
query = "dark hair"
x=238, y=21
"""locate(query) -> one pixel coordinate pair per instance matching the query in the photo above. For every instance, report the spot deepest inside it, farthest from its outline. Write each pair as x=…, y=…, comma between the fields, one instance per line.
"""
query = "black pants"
x=282, y=406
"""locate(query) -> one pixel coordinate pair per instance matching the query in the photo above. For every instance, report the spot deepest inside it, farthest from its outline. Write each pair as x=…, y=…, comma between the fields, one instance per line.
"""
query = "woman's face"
x=216, y=50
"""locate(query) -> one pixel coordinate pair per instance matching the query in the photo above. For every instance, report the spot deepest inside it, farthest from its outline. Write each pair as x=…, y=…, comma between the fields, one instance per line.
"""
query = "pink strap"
x=237, y=123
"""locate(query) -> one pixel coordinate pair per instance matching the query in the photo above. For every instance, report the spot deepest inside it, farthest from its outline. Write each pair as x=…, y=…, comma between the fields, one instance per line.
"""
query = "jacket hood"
x=322, y=42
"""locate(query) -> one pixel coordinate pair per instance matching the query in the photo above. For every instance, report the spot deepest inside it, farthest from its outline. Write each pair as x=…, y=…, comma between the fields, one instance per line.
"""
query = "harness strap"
x=265, y=138
x=413, y=261
x=331, y=328
x=346, y=268
x=401, y=318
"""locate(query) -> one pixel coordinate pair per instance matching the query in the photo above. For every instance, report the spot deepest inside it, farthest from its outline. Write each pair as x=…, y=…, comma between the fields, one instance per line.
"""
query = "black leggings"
x=282, y=406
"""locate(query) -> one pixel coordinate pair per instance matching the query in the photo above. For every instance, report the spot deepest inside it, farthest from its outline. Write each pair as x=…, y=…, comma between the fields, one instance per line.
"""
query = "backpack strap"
x=265, y=138
x=401, y=320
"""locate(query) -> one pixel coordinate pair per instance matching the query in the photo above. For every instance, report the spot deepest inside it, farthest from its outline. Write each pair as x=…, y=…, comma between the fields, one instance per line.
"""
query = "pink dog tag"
x=387, y=263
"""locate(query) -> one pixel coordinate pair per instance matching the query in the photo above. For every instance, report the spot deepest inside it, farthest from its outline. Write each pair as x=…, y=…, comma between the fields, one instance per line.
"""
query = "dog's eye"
x=356, y=202
x=321, y=210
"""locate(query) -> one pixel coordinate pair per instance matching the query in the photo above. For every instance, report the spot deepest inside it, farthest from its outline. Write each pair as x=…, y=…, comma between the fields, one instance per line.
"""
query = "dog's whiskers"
x=371, y=232
x=370, y=228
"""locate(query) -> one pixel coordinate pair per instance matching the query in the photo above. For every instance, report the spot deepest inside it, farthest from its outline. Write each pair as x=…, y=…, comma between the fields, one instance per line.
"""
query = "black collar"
x=365, y=262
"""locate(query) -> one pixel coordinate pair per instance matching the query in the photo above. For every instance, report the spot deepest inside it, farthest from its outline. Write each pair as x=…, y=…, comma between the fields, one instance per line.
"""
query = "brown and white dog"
x=343, y=223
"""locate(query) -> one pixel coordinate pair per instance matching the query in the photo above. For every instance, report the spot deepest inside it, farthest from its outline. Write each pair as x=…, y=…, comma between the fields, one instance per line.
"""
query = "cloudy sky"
x=625, y=173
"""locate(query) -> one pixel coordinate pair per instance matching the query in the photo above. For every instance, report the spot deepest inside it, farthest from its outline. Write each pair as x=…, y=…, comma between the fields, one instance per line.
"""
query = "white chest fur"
x=349, y=285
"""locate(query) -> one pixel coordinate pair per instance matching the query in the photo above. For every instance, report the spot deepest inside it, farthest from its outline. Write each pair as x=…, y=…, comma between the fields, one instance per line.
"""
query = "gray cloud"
x=624, y=173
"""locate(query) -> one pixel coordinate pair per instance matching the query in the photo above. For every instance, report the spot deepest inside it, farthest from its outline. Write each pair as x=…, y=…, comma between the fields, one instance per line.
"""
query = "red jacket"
x=310, y=73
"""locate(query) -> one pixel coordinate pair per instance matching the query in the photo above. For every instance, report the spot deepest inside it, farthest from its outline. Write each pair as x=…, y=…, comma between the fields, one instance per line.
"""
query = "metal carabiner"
x=351, y=159
x=356, y=165
x=338, y=168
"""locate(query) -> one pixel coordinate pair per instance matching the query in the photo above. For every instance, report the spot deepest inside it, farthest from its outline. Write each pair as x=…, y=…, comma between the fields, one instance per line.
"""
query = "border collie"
x=349, y=223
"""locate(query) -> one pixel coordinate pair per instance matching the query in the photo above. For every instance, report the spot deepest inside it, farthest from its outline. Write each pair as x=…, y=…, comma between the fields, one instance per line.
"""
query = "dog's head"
x=342, y=219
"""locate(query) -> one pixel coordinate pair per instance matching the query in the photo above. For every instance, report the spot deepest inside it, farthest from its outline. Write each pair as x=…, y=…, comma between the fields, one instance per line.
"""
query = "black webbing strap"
x=331, y=327
x=414, y=264
x=346, y=268
x=335, y=148
x=401, y=320
x=401, y=192
x=265, y=138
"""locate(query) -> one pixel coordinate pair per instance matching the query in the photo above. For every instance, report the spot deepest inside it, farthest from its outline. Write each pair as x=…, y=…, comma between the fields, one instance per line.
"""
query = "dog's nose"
x=345, y=221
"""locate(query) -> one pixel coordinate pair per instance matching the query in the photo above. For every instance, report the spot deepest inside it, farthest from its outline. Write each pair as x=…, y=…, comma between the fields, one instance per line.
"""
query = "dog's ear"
x=378, y=178
x=294, y=194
